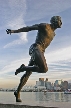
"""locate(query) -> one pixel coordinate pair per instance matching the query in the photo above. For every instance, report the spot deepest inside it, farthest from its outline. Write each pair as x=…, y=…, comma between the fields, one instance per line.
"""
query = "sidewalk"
x=36, y=105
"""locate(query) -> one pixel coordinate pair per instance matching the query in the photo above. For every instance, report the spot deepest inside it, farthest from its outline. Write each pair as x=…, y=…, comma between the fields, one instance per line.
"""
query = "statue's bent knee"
x=45, y=70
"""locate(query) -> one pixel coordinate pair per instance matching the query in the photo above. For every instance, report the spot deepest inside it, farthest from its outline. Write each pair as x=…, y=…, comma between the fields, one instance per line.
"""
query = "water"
x=8, y=97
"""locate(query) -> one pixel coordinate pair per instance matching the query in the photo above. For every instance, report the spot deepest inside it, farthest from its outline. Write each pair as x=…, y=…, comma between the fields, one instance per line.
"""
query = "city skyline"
x=14, y=48
x=40, y=83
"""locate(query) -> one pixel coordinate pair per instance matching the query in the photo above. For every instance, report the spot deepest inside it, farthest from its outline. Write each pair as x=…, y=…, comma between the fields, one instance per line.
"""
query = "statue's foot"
x=19, y=69
x=17, y=98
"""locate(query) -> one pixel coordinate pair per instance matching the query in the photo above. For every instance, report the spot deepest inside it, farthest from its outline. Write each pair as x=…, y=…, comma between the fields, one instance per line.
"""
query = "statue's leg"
x=23, y=81
x=19, y=69
x=40, y=63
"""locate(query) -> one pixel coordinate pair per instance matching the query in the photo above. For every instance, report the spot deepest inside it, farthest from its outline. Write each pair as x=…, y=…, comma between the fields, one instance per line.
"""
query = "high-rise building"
x=41, y=80
x=58, y=83
x=46, y=79
x=38, y=83
x=69, y=85
x=65, y=85
x=48, y=85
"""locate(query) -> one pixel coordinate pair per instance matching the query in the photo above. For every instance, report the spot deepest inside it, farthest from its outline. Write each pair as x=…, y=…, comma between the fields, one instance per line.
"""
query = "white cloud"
x=22, y=12
x=59, y=55
x=53, y=58
x=41, y=9
x=14, y=15
x=12, y=66
x=22, y=39
x=16, y=21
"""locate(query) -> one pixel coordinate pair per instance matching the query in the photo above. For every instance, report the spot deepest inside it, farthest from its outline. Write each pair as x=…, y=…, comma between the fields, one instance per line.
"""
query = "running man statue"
x=37, y=62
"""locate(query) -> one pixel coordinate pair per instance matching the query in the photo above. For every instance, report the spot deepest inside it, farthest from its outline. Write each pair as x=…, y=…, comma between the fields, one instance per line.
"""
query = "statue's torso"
x=45, y=35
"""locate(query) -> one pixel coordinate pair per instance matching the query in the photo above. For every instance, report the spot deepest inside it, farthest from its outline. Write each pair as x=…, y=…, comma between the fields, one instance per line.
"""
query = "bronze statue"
x=37, y=62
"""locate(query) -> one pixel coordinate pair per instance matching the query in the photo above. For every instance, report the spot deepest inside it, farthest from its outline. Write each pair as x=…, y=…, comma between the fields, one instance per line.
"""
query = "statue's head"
x=56, y=21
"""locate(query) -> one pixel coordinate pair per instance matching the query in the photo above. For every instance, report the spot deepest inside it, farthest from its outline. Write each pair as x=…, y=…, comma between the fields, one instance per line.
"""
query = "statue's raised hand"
x=8, y=31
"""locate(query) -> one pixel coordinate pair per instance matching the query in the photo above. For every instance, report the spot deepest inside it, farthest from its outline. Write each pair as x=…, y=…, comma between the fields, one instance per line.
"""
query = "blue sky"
x=14, y=48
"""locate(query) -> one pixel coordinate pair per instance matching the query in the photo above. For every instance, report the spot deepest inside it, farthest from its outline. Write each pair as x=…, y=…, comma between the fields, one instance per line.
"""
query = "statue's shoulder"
x=44, y=25
x=48, y=26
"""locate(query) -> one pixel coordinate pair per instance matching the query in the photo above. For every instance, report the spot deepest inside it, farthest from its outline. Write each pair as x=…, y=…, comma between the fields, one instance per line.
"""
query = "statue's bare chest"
x=49, y=32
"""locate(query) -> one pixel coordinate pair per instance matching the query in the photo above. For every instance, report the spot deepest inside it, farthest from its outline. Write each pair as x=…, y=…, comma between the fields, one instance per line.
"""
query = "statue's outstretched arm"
x=24, y=29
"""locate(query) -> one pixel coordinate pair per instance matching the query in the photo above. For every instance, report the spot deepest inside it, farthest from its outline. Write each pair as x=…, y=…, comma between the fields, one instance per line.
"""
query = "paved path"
x=37, y=104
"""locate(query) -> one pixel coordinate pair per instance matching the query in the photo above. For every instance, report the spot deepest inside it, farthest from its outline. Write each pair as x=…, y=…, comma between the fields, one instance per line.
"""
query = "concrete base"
x=21, y=106
x=48, y=105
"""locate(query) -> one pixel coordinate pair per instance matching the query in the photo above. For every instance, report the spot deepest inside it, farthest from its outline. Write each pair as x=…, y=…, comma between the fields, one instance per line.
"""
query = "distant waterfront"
x=7, y=97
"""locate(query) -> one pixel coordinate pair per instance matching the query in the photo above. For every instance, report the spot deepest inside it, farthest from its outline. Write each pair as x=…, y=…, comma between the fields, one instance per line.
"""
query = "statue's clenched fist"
x=8, y=31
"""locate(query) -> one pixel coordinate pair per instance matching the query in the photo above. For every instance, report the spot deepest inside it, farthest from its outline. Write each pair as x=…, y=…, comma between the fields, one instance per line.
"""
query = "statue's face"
x=59, y=23
x=56, y=21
